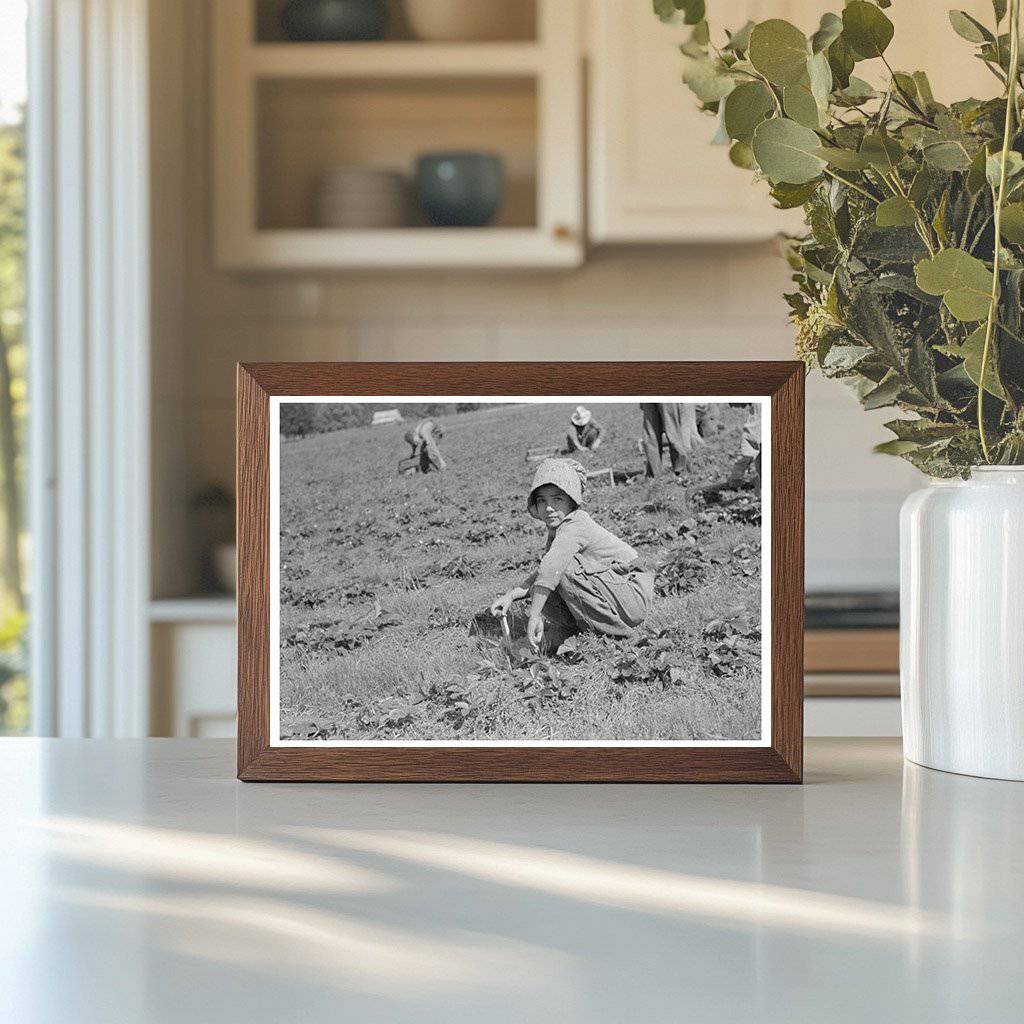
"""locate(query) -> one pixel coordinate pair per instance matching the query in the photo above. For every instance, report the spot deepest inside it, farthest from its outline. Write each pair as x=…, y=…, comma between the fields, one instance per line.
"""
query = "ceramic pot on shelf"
x=361, y=197
x=962, y=624
x=466, y=21
x=334, y=21
x=460, y=189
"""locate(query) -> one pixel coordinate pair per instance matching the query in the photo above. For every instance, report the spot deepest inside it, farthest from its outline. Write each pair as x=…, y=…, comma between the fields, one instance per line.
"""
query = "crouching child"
x=588, y=580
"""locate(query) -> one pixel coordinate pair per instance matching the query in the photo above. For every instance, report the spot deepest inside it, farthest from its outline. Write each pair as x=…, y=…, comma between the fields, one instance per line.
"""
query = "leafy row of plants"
x=910, y=278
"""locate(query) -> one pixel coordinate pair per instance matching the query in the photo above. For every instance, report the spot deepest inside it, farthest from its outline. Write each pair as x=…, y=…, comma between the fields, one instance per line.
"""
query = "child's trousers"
x=593, y=596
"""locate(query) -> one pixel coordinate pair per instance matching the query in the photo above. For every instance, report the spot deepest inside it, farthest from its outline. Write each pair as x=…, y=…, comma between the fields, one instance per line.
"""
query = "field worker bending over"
x=584, y=433
x=425, y=456
x=588, y=579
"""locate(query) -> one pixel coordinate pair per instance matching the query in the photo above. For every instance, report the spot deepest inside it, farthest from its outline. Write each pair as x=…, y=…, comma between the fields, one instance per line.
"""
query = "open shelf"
x=309, y=127
x=286, y=114
x=520, y=22
x=389, y=60
x=406, y=248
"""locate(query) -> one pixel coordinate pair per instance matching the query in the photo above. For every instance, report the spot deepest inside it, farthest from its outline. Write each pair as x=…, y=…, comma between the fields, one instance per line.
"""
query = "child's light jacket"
x=578, y=534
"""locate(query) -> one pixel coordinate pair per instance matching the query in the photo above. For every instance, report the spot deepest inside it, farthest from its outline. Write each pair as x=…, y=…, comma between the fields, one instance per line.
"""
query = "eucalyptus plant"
x=910, y=278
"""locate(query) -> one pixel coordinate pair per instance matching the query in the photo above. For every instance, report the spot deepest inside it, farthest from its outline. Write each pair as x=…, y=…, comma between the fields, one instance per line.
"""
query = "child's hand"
x=535, y=630
x=502, y=605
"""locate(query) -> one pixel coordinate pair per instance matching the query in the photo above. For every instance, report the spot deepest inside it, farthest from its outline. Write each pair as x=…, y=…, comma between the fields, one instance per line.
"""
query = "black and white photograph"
x=519, y=571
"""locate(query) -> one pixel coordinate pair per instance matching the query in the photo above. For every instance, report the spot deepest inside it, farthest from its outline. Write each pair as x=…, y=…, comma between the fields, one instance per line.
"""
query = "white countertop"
x=140, y=882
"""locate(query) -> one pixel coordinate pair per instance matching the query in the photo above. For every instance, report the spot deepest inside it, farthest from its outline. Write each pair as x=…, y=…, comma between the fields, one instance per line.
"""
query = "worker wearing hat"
x=588, y=579
x=584, y=434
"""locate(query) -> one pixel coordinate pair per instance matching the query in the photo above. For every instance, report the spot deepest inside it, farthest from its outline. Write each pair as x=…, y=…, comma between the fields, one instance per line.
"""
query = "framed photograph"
x=520, y=571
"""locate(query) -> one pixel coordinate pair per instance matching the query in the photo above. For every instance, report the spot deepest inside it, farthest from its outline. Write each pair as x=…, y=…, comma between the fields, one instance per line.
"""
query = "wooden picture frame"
x=779, y=758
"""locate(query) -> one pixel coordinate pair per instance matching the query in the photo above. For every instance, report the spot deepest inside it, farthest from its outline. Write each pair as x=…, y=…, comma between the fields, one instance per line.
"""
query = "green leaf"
x=971, y=352
x=829, y=30
x=739, y=41
x=924, y=88
x=993, y=167
x=745, y=108
x=999, y=9
x=921, y=370
x=922, y=185
x=969, y=28
x=707, y=78
x=976, y=173
x=889, y=245
x=895, y=447
x=1011, y=226
x=866, y=29
x=844, y=159
x=895, y=212
x=801, y=106
x=841, y=63
x=787, y=151
x=939, y=220
x=885, y=394
x=869, y=320
x=819, y=74
x=741, y=155
x=883, y=152
x=947, y=156
x=963, y=281
x=906, y=84
x=788, y=196
x=701, y=34
x=923, y=431
x=690, y=12
x=779, y=51
x=857, y=91
x=693, y=10
x=666, y=10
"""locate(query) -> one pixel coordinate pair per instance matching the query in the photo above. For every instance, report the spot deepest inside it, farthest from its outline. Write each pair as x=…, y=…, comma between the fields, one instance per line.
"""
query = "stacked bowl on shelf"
x=464, y=21
x=454, y=21
x=452, y=189
x=362, y=197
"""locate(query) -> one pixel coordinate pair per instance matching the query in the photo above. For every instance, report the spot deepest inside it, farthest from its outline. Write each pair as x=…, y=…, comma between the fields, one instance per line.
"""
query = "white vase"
x=962, y=624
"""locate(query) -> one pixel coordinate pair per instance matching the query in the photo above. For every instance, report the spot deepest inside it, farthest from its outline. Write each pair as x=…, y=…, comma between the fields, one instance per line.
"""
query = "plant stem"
x=768, y=86
x=853, y=185
x=1011, y=108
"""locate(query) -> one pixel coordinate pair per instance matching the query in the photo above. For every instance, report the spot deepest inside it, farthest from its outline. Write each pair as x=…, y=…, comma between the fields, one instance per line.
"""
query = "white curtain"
x=88, y=384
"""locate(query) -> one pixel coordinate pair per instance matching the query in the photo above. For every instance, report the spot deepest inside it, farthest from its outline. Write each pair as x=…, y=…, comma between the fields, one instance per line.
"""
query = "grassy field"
x=381, y=577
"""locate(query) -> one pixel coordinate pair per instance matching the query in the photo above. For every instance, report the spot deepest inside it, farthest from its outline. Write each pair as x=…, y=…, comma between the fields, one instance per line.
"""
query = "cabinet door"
x=654, y=176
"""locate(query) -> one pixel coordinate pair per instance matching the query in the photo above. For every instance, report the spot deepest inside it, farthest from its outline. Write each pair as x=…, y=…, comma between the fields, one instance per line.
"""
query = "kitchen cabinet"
x=654, y=177
x=287, y=114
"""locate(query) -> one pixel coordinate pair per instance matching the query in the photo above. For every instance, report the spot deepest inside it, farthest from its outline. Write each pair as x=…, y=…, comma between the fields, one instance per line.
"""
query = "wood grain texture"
x=253, y=538
x=782, y=761
x=852, y=650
